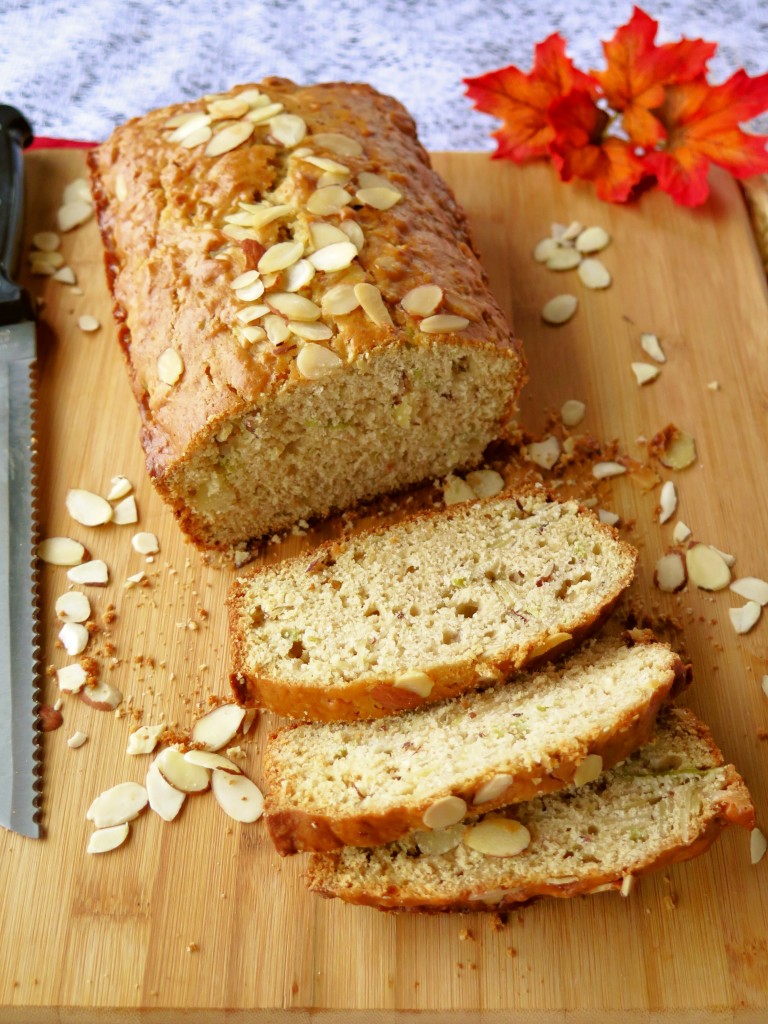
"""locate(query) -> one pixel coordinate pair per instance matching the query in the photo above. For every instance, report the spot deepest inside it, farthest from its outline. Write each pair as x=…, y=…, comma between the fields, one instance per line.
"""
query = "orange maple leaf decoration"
x=522, y=101
x=651, y=115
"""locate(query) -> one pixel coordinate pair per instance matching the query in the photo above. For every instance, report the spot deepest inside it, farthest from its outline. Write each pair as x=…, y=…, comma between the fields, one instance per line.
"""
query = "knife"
x=19, y=636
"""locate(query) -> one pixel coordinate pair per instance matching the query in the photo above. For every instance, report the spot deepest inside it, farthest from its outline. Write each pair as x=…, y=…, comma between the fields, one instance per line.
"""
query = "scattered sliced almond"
x=229, y=138
x=607, y=518
x=681, y=532
x=164, y=799
x=435, y=844
x=74, y=638
x=606, y=470
x=369, y=297
x=337, y=256
x=677, y=449
x=134, y=581
x=93, y=573
x=645, y=372
x=210, y=760
x=592, y=239
x=422, y=300
x=764, y=685
x=328, y=200
x=588, y=770
x=745, y=618
x=78, y=188
x=445, y=812
x=544, y=453
x=180, y=773
x=315, y=361
x=706, y=568
x=71, y=678
x=751, y=588
x=279, y=256
x=119, y=487
x=170, y=366
x=493, y=789
x=559, y=309
x=561, y=258
x=103, y=696
x=670, y=573
x=652, y=347
x=667, y=501
x=594, y=274
x=544, y=249
x=60, y=551
x=145, y=543
x=216, y=728
x=145, y=739
x=118, y=805
x=73, y=607
x=46, y=241
x=125, y=512
x=65, y=275
x=486, y=483
x=730, y=560
x=443, y=323
x=87, y=508
x=456, y=490
x=72, y=214
x=497, y=837
x=237, y=796
x=340, y=300
x=88, y=323
x=572, y=412
x=104, y=840
x=414, y=681
x=76, y=740
x=758, y=844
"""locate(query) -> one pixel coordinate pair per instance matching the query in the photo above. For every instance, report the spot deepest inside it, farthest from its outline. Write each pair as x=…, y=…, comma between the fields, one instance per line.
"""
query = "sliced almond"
x=250, y=335
x=745, y=618
x=324, y=234
x=88, y=323
x=435, y=844
x=414, y=681
x=678, y=450
x=93, y=573
x=669, y=575
x=606, y=470
x=563, y=259
x=65, y=275
x=335, y=142
x=667, y=501
x=645, y=372
x=572, y=231
x=74, y=638
x=594, y=274
x=486, y=483
x=443, y=323
x=730, y=560
x=751, y=588
x=354, y=232
x=60, y=551
x=104, y=840
x=298, y=276
x=170, y=366
x=456, y=490
x=328, y=200
x=145, y=543
x=144, y=739
x=119, y=487
x=592, y=239
x=445, y=812
x=544, y=249
x=190, y=125
x=497, y=837
x=118, y=805
x=337, y=256
x=76, y=740
x=88, y=508
x=758, y=844
x=422, y=300
x=681, y=532
x=237, y=796
x=544, y=453
x=652, y=347
x=280, y=256
x=78, y=188
x=288, y=129
x=46, y=241
x=277, y=329
x=549, y=644
x=210, y=760
x=73, y=607
x=164, y=799
x=369, y=297
x=588, y=770
x=326, y=164
x=494, y=788
x=71, y=678
x=559, y=309
x=216, y=728
x=251, y=313
x=572, y=412
x=264, y=112
x=706, y=568
x=340, y=300
x=251, y=292
x=311, y=331
x=244, y=280
x=295, y=307
x=73, y=214
x=315, y=361
x=607, y=518
x=180, y=773
x=134, y=580
x=229, y=138
x=378, y=198
x=103, y=696
x=231, y=107
x=125, y=512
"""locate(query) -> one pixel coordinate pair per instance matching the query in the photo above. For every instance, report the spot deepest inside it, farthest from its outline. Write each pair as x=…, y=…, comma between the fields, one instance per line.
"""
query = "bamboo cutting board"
x=199, y=920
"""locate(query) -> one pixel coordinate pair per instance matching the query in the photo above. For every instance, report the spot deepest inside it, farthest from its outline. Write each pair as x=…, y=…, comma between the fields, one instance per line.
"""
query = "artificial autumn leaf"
x=581, y=150
x=702, y=125
x=638, y=70
x=522, y=100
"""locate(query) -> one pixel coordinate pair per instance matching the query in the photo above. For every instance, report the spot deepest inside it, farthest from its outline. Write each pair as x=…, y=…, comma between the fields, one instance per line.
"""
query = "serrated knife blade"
x=19, y=636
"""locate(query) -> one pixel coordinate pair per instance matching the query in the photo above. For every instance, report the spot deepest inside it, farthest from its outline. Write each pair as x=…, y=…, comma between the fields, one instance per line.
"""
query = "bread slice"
x=666, y=803
x=366, y=783
x=438, y=604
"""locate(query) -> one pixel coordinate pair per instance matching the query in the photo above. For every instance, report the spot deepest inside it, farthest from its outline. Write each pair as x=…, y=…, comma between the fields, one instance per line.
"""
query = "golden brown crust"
x=161, y=210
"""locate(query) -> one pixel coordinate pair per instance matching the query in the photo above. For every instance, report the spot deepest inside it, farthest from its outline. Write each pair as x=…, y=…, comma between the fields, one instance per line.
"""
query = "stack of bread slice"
x=465, y=740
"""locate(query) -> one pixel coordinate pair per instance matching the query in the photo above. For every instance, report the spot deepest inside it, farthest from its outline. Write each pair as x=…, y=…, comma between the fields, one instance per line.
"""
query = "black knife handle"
x=15, y=136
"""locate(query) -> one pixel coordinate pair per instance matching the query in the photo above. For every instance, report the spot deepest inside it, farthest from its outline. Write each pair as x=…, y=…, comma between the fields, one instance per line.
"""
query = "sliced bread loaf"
x=666, y=803
x=366, y=783
x=438, y=604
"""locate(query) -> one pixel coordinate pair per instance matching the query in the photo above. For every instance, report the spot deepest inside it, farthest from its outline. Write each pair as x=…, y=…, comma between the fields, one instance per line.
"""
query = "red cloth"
x=43, y=143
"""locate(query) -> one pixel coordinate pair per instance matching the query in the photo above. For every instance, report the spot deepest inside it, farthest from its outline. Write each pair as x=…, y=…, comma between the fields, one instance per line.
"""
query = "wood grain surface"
x=199, y=920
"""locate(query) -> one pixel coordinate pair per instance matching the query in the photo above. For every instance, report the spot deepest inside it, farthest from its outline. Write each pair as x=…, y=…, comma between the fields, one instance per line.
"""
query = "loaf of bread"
x=367, y=783
x=440, y=603
x=304, y=317
x=666, y=803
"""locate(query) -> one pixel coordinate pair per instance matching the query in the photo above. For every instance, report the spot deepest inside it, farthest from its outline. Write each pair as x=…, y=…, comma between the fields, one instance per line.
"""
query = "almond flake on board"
x=645, y=372
x=667, y=501
x=65, y=275
x=145, y=543
x=103, y=696
x=104, y=840
x=572, y=412
x=180, y=773
x=594, y=274
x=125, y=512
x=93, y=573
x=563, y=259
x=216, y=728
x=652, y=347
x=758, y=845
x=76, y=740
x=745, y=618
x=670, y=573
x=681, y=532
x=74, y=637
x=706, y=567
x=559, y=309
x=88, y=323
x=237, y=796
x=87, y=508
x=164, y=799
x=544, y=249
x=73, y=607
x=60, y=551
x=71, y=678
x=606, y=470
x=144, y=739
x=117, y=805
x=751, y=588
x=46, y=241
x=72, y=214
x=592, y=239
x=607, y=518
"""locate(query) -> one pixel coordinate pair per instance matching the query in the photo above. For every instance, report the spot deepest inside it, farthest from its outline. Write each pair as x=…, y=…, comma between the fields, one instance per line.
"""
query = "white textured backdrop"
x=79, y=67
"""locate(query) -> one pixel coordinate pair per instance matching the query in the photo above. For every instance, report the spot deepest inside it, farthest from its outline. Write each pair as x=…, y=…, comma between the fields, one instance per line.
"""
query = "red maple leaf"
x=702, y=125
x=638, y=70
x=522, y=101
x=580, y=148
